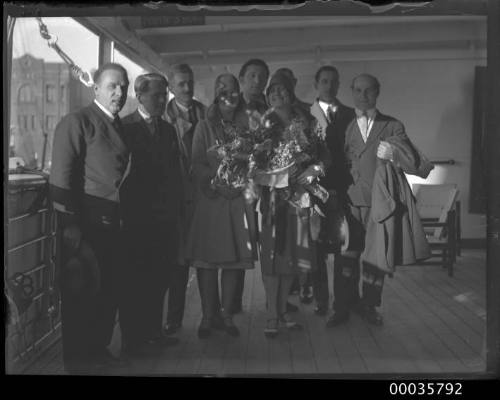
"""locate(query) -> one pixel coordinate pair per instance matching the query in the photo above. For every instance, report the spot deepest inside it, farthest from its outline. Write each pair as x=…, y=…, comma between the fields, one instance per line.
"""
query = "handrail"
x=38, y=239
x=22, y=216
x=451, y=161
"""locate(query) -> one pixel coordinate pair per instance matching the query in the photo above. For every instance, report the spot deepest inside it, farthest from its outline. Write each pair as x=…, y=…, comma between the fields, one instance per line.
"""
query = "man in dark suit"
x=333, y=117
x=183, y=112
x=365, y=146
x=89, y=163
x=151, y=204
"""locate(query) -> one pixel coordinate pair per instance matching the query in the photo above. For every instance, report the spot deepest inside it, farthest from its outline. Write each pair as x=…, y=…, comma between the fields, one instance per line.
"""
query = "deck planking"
x=432, y=324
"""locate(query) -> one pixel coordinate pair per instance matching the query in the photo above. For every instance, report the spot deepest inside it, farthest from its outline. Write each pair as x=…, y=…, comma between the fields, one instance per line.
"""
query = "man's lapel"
x=182, y=128
x=144, y=135
x=377, y=128
x=354, y=137
x=318, y=113
x=111, y=131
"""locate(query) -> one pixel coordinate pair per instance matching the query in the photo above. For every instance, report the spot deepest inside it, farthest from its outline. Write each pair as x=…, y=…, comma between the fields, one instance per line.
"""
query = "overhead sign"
x=171, y=20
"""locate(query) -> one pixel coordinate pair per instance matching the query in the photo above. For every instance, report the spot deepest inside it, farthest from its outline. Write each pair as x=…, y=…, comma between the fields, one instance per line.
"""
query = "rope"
x=76, y=71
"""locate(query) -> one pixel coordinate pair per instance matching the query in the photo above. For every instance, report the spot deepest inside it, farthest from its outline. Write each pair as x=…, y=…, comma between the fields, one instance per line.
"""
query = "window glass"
x=50, y=93
x=133, y=70
x=42, y=87
x=25, y=94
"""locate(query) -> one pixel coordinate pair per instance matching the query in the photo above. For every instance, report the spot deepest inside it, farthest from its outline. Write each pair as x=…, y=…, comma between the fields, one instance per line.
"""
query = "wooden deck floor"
x=433, y=324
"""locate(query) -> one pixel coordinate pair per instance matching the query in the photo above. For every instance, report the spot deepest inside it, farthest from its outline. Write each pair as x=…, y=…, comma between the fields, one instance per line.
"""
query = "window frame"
x=25, y=88
x=50, y=93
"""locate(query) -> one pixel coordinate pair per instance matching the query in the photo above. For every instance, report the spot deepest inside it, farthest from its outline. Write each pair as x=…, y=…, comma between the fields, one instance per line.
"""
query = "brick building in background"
x=42, y=93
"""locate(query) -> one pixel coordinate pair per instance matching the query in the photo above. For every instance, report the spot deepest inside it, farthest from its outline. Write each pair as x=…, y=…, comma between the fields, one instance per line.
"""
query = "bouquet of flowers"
x=268, y=154
x=231, y=155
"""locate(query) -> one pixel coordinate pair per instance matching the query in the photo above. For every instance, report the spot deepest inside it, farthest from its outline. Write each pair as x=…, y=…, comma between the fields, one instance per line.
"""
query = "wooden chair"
x=439, y=211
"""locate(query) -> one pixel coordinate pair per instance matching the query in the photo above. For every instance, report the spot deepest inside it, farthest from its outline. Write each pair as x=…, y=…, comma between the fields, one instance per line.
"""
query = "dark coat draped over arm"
x=394, y=233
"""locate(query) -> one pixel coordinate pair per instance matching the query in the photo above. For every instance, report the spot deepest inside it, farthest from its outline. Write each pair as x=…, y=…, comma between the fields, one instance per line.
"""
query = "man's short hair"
x=253, y=61
x=374, y=79
x=142, y=82
x=109, y=66
x=179, y=69
x=325, y=68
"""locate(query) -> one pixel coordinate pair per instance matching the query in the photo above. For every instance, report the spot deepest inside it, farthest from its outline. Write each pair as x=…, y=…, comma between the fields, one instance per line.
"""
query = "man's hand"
x=309, y=174
x=72, y=236
x=385, y=151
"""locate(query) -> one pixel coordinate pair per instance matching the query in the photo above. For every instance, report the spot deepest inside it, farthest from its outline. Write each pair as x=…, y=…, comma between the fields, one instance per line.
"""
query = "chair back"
x=434, y=202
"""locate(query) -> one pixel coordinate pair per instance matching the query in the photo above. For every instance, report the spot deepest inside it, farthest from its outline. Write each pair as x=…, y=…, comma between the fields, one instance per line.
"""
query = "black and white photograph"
x=296, y=190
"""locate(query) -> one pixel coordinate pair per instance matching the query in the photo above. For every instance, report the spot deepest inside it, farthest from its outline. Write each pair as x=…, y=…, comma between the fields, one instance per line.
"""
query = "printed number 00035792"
x=425, y=388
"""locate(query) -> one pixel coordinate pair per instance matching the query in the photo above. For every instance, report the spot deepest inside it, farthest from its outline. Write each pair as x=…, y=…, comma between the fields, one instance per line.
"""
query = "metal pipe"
x=19, y=217
x=38, y=239
x=451, y=161
x=44, y=337
x=36, y=268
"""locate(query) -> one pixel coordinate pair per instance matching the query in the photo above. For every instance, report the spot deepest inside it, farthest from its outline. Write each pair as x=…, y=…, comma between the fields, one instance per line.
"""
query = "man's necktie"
x=192, y=116
x=330, y=114
x=117, y=124
x=155, y=127
x=363, y=126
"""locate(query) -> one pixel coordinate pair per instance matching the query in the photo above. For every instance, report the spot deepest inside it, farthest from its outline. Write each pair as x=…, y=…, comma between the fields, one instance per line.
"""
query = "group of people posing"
x=137, y=207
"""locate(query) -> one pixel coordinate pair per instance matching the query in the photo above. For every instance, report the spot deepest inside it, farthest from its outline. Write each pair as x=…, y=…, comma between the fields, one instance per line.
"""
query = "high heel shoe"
x=271, y=329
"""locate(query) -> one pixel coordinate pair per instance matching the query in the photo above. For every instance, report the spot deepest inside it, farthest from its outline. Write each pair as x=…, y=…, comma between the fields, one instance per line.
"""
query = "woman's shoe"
x=287, y=322
x=271, y=329
x=230, y=328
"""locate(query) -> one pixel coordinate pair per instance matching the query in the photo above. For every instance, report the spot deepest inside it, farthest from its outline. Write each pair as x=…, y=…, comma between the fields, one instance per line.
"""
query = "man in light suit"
x=89, y=162
x=365, y=146
x=151, y=204
x=183, y=112
x=333, y=117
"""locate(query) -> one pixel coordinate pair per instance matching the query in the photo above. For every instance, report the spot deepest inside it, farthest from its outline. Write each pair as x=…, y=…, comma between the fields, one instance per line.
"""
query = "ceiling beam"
x=458, y=50
x=237, y=23
x=317, y=36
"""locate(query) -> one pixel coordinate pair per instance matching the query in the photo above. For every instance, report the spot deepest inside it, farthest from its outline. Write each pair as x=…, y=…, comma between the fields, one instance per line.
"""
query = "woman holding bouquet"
x=288, y=222
x=222, y=230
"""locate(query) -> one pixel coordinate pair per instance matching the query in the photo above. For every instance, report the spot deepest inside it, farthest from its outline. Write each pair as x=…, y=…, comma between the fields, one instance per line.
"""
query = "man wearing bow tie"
x=183, y=112
x=90, y=162
x=365, y=146
x=333, y=117
x=151, y=204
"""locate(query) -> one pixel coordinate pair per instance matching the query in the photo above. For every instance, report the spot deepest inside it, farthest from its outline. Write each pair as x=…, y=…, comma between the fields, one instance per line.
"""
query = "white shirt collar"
x=182, y=107
x=369, y=113
x=104, y=110
x=324, y=106
x=144, y=114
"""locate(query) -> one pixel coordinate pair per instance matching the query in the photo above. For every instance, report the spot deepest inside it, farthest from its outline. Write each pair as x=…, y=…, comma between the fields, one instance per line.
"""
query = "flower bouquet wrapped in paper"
x=281, y=154
x=229, y=158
